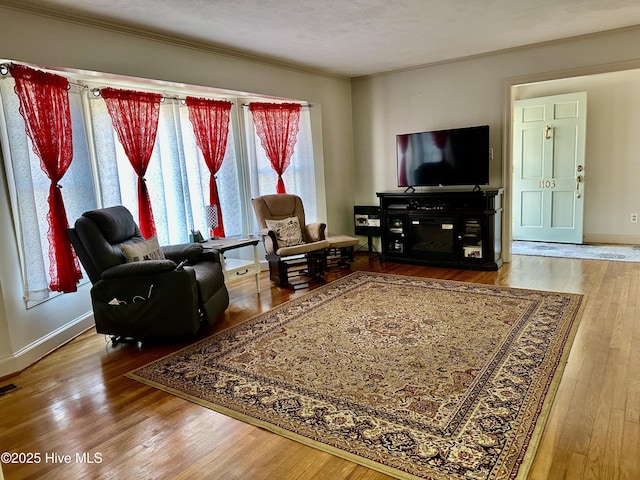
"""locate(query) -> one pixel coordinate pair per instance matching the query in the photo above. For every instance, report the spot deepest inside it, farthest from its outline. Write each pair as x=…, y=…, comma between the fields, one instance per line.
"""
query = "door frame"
x=509, y=86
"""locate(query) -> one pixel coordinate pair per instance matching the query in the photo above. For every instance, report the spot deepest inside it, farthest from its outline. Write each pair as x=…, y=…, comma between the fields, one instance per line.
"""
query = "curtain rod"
x=303, y=105
x=5, y=71
x=96, y=93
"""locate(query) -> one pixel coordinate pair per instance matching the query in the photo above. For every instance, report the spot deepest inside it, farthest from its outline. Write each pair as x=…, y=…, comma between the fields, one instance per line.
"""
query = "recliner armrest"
x=314, y=232
x=190, y=252
x=207, y=255
x=270, y=240
x=146, y=267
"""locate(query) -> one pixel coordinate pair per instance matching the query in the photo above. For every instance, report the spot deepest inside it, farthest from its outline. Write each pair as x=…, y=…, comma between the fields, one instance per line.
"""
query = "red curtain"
x=440, y=139
x=134, y=116
x=277, y=126
x=44, y=105
x=403, y=143
x=210, y=119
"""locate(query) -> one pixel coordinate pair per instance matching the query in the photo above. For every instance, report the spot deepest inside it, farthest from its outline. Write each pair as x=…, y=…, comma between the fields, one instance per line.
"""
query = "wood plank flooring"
x=77, y=402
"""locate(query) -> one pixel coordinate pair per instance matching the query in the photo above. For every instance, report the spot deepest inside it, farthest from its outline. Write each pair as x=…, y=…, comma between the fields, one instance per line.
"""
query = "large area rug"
x=415, y=377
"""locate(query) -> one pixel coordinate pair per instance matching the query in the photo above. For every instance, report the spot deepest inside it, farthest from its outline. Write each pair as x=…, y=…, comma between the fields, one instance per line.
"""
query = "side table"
x=235, y=269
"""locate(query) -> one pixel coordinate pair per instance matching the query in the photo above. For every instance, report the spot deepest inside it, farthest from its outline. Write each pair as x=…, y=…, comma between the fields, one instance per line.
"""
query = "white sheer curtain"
x=177, y=177
x=29, y=186
x=229, y=177
x=299, y=177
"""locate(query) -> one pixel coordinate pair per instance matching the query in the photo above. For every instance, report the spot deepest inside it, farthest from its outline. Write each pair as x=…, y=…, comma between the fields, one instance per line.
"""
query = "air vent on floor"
x=7, y=389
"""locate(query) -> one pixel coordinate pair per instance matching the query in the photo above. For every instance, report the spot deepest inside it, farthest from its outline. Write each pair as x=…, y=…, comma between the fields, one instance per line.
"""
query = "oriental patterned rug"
x=415, y=377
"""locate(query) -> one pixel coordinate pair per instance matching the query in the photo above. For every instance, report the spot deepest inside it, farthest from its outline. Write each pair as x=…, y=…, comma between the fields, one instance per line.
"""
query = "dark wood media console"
x=461, y=229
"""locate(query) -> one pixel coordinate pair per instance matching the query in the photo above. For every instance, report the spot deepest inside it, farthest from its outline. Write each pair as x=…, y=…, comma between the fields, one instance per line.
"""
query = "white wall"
x=477, y=91
x=27, y=334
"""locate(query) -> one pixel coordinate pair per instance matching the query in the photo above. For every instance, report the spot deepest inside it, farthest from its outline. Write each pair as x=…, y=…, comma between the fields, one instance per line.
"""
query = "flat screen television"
x=458, y=156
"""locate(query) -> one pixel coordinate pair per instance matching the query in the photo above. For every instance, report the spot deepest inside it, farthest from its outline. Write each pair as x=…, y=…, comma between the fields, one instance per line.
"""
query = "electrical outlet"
x=634, y=218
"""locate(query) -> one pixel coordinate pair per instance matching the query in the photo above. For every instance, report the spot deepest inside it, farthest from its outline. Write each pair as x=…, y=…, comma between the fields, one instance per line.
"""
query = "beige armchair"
x=294, y=249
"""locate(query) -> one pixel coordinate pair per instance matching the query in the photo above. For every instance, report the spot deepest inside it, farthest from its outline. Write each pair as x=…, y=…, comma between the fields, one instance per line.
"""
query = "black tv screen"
x=457, y=156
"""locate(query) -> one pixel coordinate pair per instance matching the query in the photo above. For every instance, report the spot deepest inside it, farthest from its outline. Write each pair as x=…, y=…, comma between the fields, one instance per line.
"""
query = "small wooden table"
x=233, y=268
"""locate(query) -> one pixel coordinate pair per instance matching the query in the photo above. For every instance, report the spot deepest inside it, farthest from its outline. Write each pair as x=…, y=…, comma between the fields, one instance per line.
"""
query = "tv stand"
x=449, y=228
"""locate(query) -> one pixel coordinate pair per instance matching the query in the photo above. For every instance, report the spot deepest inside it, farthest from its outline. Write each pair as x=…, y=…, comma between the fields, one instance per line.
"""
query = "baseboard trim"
x=611, y=239
x=30, y=354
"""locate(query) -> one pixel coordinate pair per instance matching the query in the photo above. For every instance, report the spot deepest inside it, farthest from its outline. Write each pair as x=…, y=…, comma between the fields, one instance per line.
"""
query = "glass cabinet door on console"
x=396, y=235
x=471, y=239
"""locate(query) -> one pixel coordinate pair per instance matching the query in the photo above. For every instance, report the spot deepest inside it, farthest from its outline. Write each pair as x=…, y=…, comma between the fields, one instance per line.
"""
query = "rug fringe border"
x=277, y=430
x=549, y=399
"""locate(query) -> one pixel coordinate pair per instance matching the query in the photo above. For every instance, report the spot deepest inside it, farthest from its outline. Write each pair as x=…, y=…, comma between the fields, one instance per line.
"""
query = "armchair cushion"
x=146, y=250
x=302, y=248
x=288, y=231
x=115, y=224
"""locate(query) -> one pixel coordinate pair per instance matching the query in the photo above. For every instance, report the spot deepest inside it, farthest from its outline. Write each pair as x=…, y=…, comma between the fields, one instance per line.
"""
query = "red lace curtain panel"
x=44, y=105
x=210, y=120
x=134, y=116
x=277, y=126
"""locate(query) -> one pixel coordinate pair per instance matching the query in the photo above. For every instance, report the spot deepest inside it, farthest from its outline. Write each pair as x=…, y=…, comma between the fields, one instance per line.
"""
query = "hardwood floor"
x=77, y=402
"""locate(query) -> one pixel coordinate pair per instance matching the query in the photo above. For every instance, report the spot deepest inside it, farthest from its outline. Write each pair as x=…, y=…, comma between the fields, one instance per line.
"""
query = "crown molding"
x=505, y=51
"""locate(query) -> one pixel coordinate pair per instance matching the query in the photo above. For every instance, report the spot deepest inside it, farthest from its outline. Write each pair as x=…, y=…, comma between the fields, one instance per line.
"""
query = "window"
x=299, y=177
x=100, y=174
x=29, y=187
x=177, y=178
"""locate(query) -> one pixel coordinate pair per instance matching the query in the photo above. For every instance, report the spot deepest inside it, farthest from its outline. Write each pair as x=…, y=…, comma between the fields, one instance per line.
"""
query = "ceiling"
x=355, y=37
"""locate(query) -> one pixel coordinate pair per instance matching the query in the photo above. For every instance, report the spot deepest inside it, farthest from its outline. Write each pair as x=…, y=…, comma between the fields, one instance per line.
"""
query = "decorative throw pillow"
x=288, y=231
x=139, y=251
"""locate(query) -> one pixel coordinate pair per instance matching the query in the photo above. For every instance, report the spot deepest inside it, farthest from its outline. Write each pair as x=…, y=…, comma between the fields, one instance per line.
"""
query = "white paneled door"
x=548, y=168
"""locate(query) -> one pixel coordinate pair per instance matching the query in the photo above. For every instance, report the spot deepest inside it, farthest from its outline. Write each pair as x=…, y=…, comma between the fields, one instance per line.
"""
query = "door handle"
x=547, y=129
x=579, y=179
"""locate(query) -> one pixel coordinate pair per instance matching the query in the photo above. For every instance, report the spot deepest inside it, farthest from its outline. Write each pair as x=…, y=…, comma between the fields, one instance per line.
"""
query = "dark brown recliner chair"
x=170, y=291
x=295, y=250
